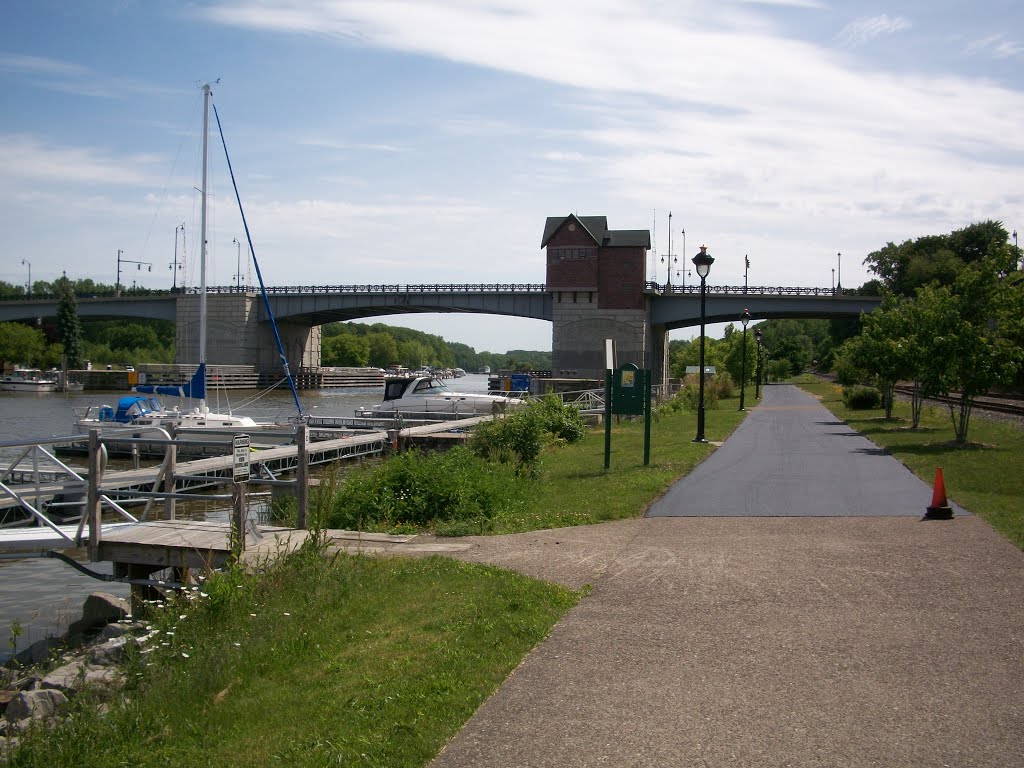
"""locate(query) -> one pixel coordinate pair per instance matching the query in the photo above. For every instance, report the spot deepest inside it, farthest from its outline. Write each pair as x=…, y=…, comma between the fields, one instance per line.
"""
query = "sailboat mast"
x=207, y=95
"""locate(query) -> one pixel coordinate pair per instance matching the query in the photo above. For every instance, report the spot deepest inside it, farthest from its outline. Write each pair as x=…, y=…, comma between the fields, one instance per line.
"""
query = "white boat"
x=428, y=394
x=28, y=380
x=145, y=410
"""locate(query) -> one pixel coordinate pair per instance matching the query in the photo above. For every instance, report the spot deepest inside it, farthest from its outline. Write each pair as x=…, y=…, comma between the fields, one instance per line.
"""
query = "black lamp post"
x=757, y=373
x=744, y=318
x=702, y=261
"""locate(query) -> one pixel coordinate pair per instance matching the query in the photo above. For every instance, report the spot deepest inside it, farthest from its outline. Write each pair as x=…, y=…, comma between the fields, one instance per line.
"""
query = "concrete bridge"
x=595, y=290
x=239, y=333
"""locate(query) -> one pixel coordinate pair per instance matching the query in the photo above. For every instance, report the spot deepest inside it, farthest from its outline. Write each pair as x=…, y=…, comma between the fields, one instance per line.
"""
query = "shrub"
x=860, y=398
x=723, y=386
x=420, y=490
x=847, y=373
x=562, y=421
x=689, y=395
x=520, y=437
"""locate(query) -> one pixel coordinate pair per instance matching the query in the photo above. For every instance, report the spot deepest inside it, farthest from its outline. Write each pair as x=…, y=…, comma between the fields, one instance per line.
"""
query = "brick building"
x=596, y=277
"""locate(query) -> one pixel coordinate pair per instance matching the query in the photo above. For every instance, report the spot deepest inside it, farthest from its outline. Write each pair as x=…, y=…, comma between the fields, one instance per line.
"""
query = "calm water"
x=43, y=595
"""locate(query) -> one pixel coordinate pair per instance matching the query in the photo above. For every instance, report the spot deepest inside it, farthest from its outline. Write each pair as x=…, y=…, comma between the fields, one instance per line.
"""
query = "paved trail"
x=766, y=641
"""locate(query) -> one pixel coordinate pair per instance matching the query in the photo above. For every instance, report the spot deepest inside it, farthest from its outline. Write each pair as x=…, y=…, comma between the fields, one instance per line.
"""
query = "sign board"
x=240, y=470
x=609, y=354
x=628, y=391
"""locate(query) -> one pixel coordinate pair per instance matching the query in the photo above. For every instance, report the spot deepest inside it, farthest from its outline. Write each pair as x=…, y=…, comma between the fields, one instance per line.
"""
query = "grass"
x=574, y=489
x=316, y=661
x=983, y=476
x=351, y=660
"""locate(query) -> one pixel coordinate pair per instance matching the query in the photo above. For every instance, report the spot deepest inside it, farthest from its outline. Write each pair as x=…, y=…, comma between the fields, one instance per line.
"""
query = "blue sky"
x=425, y=141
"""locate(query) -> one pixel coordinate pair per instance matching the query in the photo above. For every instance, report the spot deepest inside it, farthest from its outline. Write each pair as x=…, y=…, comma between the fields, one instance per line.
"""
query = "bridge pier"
x=236, y=336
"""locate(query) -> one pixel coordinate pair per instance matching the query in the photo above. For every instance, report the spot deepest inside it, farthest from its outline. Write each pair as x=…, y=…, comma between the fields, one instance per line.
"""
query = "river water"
x=42, y=596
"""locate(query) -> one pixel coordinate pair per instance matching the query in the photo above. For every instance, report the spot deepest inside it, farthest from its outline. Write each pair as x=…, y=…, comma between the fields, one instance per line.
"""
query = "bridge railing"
x=753, y=290
x=389, y=288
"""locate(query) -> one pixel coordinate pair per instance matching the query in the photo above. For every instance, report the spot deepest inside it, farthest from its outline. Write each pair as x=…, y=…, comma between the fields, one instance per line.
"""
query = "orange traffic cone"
x=939, y=509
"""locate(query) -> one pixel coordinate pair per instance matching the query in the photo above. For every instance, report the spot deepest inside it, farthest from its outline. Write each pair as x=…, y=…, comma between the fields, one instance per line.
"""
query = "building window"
x=570, y=253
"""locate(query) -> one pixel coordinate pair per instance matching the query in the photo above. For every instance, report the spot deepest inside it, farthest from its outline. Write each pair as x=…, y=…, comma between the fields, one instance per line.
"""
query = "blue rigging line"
x=259, y=274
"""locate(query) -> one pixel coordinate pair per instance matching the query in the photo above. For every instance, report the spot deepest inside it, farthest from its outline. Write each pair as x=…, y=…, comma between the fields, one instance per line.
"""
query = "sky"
x=426, y=141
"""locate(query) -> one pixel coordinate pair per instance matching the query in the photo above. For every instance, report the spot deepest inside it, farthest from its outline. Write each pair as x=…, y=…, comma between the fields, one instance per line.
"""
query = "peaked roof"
x=597, y=228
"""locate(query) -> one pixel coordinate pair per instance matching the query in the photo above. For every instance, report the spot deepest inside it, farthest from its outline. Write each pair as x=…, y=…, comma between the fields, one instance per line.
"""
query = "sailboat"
x=144, y=409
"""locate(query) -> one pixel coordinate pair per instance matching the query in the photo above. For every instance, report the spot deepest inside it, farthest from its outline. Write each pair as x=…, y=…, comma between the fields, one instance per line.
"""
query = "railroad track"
x=1010, y=404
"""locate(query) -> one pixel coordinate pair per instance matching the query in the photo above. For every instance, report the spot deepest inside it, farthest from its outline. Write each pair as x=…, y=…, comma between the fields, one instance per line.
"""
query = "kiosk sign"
x=240, y=470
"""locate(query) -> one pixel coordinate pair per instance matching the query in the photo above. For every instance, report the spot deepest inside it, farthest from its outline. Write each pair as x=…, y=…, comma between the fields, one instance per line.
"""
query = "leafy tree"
x=887, y=350
x=345, y=350
x=22, y=344
x=69, y=327
x=935, y=258
x=969, y=328
x=383, y=349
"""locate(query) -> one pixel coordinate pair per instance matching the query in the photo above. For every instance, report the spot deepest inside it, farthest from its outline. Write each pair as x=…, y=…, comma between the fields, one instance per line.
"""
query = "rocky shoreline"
x=39, y=682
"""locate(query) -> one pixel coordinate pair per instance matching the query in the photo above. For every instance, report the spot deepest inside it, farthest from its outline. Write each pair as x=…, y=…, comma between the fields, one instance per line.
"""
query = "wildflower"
x=184, y=615
x=185, y=655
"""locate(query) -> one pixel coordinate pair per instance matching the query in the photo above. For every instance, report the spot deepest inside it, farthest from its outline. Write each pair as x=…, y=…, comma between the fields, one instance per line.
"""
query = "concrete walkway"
x=765, y=641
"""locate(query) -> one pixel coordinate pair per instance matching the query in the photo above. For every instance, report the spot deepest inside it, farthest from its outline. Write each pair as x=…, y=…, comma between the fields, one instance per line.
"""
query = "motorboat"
x=138, y=411
x=428, y=394
x=28, y=380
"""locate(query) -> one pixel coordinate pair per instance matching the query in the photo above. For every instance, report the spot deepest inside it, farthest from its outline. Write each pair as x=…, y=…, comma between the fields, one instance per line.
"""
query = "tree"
x=69, y=327
x=383, y=349
x=936, y=258
x=21, y=344
x=888, y=349
x=346, y=350
x=969, y=328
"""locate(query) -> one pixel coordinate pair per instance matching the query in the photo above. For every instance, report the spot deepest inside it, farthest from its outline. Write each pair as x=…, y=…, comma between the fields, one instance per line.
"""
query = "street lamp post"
x=839, y=270
x=833, y=280
x=744, y=318
x=120, y=261
x=175, y=265
x=684, y=256
x=746, y=271
x=702, y=261
x=238, y=263
x=28, y=292
x=1016, y=250
x=757, y=371
x=670, y=258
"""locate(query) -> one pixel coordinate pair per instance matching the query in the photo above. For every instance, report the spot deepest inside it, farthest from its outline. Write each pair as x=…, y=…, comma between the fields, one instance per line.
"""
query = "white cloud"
x=867, y=28
x=29, y=159
x=996, y=46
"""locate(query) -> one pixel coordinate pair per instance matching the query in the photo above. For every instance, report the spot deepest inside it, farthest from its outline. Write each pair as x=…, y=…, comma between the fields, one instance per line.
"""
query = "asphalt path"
x=844, y=639
x=791, y=457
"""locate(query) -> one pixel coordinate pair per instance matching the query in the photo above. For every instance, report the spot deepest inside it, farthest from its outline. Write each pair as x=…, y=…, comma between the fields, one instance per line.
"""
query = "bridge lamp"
x=744, y=318
x=702, y=261
x=26, y=262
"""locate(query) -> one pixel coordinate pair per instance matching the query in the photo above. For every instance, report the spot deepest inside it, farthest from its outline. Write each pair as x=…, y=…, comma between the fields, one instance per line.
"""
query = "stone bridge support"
x=235, y=335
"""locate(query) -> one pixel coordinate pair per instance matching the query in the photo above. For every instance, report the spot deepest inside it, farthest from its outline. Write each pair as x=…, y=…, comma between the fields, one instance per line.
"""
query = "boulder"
x=39, y=651
x=30, y=705
x=109, y=651
x=66, y=678
x=99, y=610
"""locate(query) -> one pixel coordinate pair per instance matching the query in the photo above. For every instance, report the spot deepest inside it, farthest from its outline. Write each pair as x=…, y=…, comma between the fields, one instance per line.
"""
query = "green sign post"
x=627, y=393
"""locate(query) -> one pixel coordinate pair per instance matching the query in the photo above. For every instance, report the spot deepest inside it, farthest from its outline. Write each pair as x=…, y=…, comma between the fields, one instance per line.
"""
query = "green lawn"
x=317, y=661
x=984, y=476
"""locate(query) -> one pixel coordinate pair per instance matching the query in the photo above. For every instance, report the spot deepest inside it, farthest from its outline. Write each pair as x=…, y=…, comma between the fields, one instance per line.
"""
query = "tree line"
x=379, y=346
